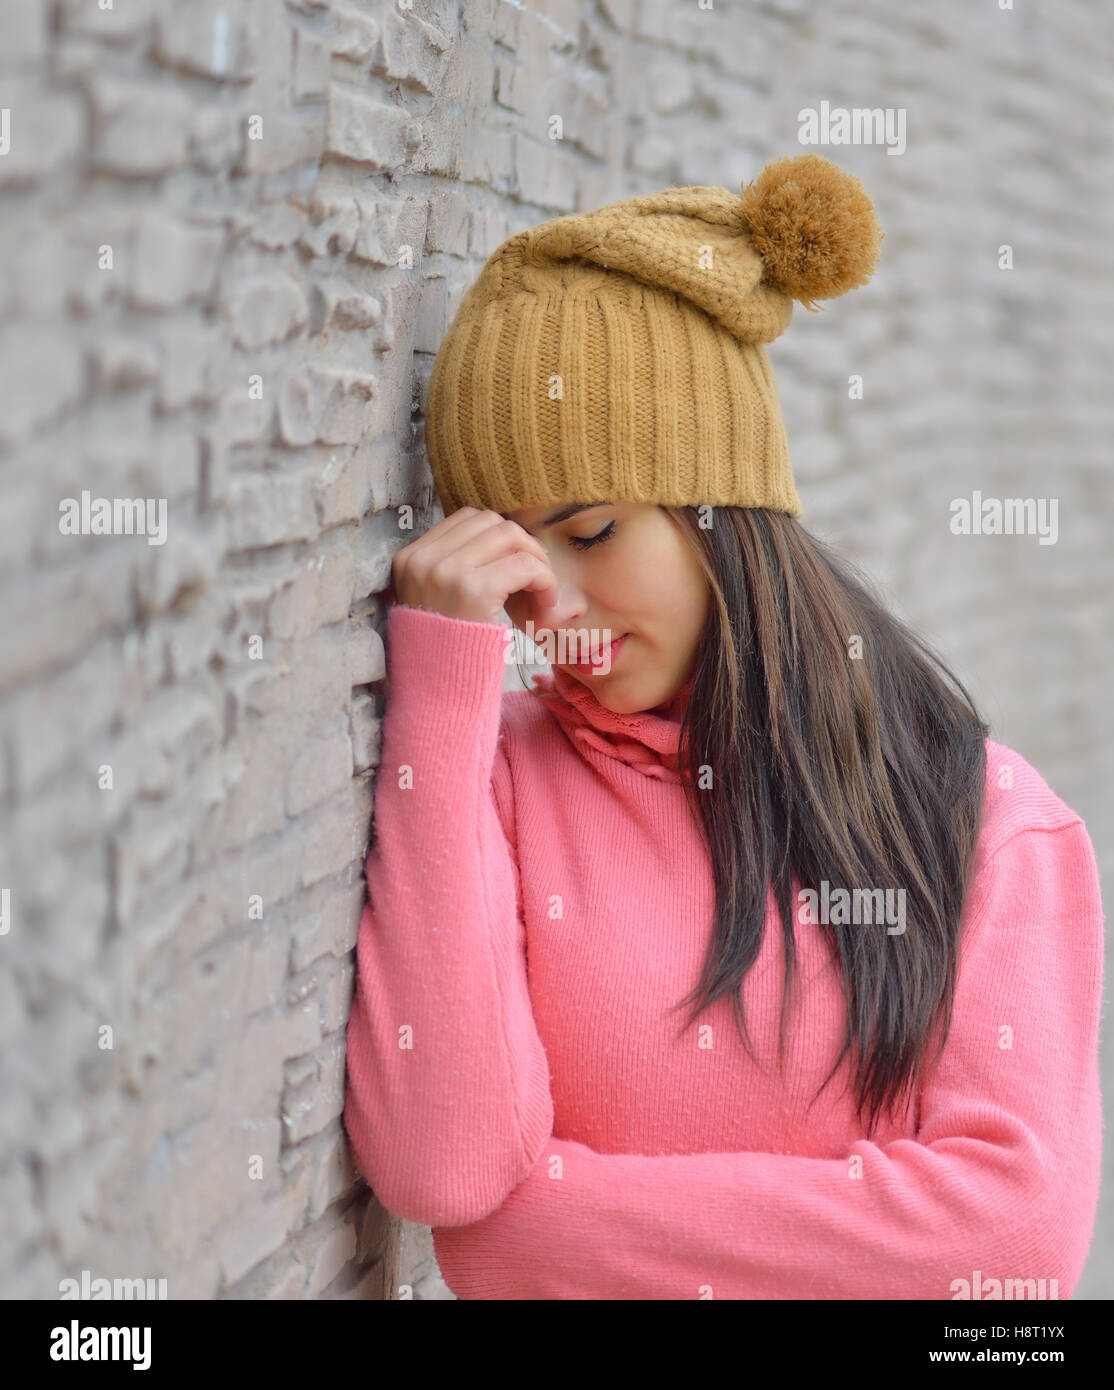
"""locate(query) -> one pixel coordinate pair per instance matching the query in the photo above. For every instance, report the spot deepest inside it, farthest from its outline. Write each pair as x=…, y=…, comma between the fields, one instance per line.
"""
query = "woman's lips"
x=606, y=658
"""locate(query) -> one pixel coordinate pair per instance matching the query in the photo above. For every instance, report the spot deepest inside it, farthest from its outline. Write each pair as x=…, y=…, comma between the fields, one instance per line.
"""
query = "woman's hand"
x=469, y=564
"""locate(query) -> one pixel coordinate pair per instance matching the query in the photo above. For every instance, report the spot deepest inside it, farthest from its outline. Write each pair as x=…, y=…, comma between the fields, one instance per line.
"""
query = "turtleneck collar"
x=646, y=740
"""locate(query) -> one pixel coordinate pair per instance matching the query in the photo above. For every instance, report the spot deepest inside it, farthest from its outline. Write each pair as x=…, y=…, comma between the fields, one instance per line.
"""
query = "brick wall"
x=207, y=297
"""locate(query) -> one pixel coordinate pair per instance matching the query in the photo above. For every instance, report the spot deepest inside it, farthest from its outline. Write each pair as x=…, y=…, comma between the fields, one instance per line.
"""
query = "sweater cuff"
x=447, y=663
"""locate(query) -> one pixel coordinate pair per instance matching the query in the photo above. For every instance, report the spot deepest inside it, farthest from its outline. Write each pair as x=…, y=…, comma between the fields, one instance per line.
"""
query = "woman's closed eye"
x=586, y=542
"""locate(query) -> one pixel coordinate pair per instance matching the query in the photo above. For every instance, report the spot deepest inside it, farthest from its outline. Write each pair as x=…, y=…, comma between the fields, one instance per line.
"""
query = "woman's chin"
x=629, y=701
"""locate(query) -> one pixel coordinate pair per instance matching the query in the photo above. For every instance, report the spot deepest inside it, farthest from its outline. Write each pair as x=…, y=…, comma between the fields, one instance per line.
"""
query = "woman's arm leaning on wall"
x=448, y=1101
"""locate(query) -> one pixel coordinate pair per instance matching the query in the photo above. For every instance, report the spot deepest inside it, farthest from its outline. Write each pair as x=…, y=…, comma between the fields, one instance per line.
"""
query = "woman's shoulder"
x=525, y=722
x=1017, y=798
x=523, y=708
x=1035, y=860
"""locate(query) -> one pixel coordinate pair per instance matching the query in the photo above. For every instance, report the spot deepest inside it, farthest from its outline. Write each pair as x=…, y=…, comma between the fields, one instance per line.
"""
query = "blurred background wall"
x=232, y=233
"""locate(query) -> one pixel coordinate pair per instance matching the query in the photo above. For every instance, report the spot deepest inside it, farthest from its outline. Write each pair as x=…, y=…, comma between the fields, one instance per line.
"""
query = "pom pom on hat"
x=814, y=227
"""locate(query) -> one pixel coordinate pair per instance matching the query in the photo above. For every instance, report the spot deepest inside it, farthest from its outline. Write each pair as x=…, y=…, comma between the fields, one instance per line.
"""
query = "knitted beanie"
x=616, y=355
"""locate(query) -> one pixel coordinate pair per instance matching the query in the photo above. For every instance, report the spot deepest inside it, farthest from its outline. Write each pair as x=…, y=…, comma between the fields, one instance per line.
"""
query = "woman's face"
x=639, y=581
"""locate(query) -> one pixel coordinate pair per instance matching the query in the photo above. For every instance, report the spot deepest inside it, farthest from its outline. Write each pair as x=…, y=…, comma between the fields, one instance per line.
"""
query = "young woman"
x=746, y=792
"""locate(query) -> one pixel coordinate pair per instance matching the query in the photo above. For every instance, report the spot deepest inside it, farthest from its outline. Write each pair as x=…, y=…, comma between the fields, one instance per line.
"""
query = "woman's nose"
x=568, y=609
x=571, y=602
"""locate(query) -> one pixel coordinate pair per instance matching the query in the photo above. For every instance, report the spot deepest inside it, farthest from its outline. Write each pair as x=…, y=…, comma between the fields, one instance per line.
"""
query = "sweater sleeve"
x=1002, y=1177
x=447, y=1101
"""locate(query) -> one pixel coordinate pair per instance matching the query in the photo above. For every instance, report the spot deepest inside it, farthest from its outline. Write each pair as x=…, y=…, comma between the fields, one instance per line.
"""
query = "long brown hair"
x=834, y=759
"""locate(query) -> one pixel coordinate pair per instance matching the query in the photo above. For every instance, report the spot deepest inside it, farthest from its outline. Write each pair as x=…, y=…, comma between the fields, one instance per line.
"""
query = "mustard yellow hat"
x=617, y=355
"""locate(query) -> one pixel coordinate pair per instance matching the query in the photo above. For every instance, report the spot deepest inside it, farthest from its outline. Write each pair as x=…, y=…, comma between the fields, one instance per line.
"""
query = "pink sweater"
x=539, y=898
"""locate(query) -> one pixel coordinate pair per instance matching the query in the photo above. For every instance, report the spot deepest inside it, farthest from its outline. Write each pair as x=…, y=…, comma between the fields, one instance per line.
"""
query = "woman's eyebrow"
x=571, y=510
